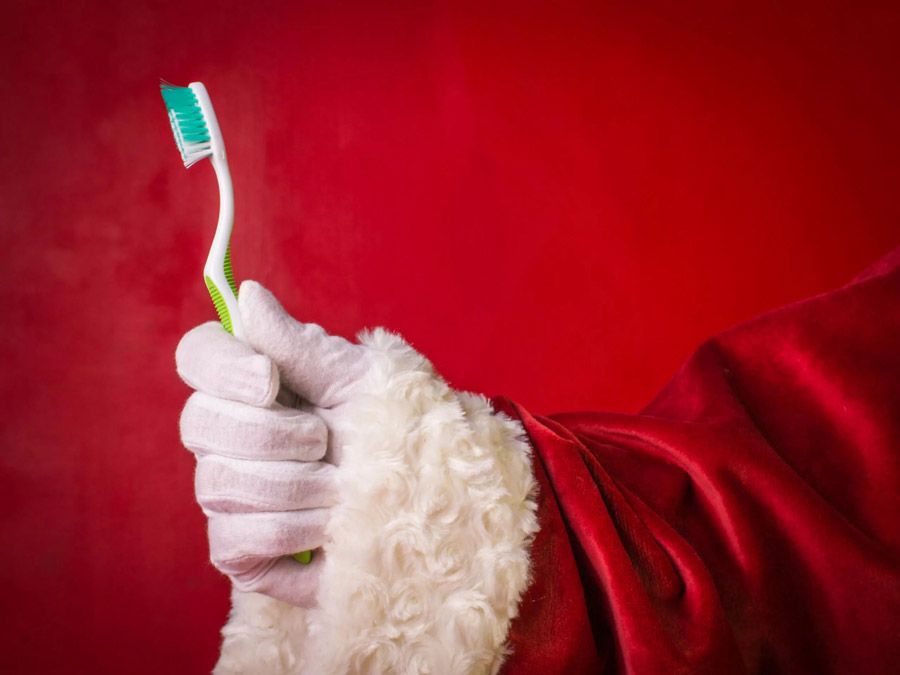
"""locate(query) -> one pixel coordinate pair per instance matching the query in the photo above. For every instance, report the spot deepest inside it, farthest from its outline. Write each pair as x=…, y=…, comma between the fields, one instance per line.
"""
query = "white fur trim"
x=429, y=550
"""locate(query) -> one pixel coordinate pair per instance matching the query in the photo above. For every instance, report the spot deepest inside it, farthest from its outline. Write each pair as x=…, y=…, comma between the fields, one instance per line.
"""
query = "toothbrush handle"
x=218, y=274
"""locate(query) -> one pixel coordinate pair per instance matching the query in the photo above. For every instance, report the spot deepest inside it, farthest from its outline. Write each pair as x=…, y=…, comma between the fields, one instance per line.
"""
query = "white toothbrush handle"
x=218, y=262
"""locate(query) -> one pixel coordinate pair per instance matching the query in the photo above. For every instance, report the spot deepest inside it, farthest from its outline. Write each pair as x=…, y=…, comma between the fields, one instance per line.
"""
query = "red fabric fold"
x=747, y=520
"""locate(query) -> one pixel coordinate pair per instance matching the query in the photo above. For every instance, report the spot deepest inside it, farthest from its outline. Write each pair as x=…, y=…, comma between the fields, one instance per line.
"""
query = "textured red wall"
x=554, y=201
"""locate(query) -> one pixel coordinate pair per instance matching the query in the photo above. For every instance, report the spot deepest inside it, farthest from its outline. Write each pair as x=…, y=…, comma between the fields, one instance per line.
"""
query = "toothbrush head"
x=193, y=121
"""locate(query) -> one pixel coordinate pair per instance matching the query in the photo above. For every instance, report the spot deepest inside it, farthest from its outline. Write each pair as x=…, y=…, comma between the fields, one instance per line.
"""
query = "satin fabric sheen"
x=746, y=521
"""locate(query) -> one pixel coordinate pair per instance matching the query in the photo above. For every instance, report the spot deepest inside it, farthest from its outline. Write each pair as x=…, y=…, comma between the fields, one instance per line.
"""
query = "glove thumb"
x=321, y=368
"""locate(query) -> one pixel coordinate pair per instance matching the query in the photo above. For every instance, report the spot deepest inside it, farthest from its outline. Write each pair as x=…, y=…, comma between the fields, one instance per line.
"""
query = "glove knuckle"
x=188, y=421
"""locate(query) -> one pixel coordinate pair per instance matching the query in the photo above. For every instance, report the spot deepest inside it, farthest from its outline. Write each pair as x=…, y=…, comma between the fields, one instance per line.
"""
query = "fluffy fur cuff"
x=428, y=552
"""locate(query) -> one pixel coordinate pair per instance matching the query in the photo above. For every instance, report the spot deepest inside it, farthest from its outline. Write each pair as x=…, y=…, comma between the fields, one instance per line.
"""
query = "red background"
x=556, y=202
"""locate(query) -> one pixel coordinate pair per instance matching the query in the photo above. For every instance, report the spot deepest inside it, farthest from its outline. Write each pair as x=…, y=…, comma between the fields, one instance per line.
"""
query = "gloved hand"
x=259, y=479
x=423, y=506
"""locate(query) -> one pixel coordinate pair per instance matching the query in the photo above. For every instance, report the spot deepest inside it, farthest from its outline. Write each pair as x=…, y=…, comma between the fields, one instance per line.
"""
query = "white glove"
x=258, y=478
x=424, y=508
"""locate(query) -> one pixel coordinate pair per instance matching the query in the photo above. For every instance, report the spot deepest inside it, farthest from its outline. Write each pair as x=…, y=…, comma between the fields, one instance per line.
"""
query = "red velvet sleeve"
x=747, y=520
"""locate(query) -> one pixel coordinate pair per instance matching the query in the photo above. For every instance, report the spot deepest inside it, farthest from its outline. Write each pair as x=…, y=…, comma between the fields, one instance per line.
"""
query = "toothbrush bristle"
x=188, y=124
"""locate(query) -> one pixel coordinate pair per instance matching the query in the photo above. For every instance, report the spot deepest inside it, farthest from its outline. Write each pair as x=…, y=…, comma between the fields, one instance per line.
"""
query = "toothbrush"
x=198, y=136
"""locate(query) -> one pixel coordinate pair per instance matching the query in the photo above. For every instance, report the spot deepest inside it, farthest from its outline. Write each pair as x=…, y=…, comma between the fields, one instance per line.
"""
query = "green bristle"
x=188, y=124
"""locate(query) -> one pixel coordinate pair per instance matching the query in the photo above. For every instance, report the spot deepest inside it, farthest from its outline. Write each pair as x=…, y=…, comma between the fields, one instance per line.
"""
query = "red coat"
x=747, y=520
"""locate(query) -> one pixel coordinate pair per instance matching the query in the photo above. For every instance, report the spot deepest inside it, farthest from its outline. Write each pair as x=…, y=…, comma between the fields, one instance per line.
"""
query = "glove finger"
x=218, y=426
x=229, y=485
x=211, y=360
x=321, y=368
x=284, y=579
x=239, y=542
